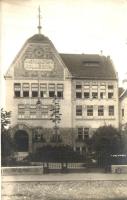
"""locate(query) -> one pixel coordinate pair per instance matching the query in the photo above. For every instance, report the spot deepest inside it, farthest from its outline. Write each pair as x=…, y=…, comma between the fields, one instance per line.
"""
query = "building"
x=123, y=110
x=85, y=85
x=125, y=81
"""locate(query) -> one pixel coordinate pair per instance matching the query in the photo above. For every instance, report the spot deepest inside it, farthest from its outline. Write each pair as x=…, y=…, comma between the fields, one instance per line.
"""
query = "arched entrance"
x=21, y=139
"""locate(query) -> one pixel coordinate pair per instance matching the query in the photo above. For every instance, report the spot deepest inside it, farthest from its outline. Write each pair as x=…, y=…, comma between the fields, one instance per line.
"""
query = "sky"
x=74, y=26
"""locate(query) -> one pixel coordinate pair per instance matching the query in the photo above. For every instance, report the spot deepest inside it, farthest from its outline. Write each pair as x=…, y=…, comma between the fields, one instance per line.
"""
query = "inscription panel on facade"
x=39, y=64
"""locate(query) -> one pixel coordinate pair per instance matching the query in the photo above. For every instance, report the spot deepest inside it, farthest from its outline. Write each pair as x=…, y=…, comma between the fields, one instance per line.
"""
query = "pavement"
x=65, y=177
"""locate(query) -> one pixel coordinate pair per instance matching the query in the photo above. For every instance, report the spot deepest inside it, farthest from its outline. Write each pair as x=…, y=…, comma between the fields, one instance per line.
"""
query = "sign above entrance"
x=39, y=64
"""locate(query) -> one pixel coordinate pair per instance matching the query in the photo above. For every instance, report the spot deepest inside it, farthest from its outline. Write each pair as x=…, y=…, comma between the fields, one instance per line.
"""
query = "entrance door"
x=21, y=141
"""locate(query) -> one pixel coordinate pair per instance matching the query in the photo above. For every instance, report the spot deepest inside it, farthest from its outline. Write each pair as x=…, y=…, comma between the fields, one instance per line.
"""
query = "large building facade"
x=123, y=110
x=86, y=87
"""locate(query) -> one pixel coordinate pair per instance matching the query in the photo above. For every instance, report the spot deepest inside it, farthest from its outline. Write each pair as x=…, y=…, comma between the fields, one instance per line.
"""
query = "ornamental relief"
x=38, y=61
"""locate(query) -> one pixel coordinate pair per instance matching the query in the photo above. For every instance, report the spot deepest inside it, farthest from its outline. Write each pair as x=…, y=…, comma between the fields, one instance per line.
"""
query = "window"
x=60, y=94
x=17, y=94
x=102, y=90
x=78, y=95
x=51, y=94
x=37, y=137
x=34, y=93
x=45, y=110
x=100, y=110
x=21, y=111
x=94, y=87
x=78, y=149
x=78, y=91
x=33, y=111
x=122, y=112
x=78, y=86
x=25, y=89
x=79, y=110
x=90, y=64
x=89, y=110
x=25, y=93
x=43, y=90
x=111, y=110
x=34, y=88
x=17, y=90
x=94, y=95
x=102, y=95
x=51, y=90
x=60, y=90
x=86, y=95
x=83, y=133
x=110, y=87
x=80, y=133
x=110, y=95
x=86, y=133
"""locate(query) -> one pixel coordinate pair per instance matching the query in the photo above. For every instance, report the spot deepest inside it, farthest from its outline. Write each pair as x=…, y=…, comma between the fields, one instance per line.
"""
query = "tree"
x=105, y=142
x=6, y=140
x=107, y=139
x=5, y=120
x=56, y=118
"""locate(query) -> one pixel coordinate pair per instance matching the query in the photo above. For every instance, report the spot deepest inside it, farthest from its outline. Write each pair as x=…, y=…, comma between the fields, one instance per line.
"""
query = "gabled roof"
x=89, y=66
x=37, y=38
x=121, y=90
x=124, y=94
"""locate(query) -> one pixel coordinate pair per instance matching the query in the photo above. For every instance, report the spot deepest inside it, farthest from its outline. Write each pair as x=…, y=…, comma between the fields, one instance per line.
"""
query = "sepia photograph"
x=63, y=99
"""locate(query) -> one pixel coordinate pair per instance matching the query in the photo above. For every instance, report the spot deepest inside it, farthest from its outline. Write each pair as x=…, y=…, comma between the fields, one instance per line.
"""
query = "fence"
x=43, y=169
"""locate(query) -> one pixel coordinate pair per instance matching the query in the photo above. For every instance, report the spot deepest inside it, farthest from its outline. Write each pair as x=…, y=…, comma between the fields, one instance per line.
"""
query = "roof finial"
x=39, y=18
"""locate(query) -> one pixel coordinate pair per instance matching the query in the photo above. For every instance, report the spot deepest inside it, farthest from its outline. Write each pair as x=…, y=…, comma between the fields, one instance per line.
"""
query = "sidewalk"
x=65, y=177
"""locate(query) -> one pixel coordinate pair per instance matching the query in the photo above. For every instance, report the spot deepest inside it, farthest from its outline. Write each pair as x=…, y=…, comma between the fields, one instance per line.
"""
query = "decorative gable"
x=38, y=59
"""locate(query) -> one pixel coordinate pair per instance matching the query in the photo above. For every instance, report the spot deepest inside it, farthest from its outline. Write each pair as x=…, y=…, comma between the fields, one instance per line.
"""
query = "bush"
x=56, y=154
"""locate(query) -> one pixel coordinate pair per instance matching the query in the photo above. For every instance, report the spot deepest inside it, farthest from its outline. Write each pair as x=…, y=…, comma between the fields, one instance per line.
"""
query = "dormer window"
x=90, y=63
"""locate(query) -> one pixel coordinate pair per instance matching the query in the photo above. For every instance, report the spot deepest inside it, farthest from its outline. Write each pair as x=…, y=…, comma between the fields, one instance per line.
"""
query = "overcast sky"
x=74, y=26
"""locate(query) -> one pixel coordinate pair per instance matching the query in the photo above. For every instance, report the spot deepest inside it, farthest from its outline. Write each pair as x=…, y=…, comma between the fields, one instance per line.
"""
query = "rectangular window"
x=94, y=87
x=110, y=95
x=80, y=133
x=86, y=95
x=122, y=112
x=25, y=93
x=60, y=94
x=79, y=110
x=102, y=87
x=89, y=110
x=21, y=111
x=43, y=90
x=34, y=93
x=94, y=95
x=78, y=91
x=78, y=95
x=60, y=90
x=102, y=95
x=34, y=88
x=51, y=94
x=100, y=110
x=86, y=133
x=17, y=90
x=111, y=110
x=33, y=111
x=25, y=89
x=45, y=109
x=51, y=88
x=78, y=86
x=110, y=87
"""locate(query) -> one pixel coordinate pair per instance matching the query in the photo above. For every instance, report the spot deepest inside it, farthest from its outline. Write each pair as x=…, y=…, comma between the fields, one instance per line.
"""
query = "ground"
x=89, y=186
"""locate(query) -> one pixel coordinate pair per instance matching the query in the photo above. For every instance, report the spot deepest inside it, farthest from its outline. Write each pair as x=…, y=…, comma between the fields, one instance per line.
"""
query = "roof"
x=124, y=94
x=37, y=38
x=121, y=90
x=89, y=66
